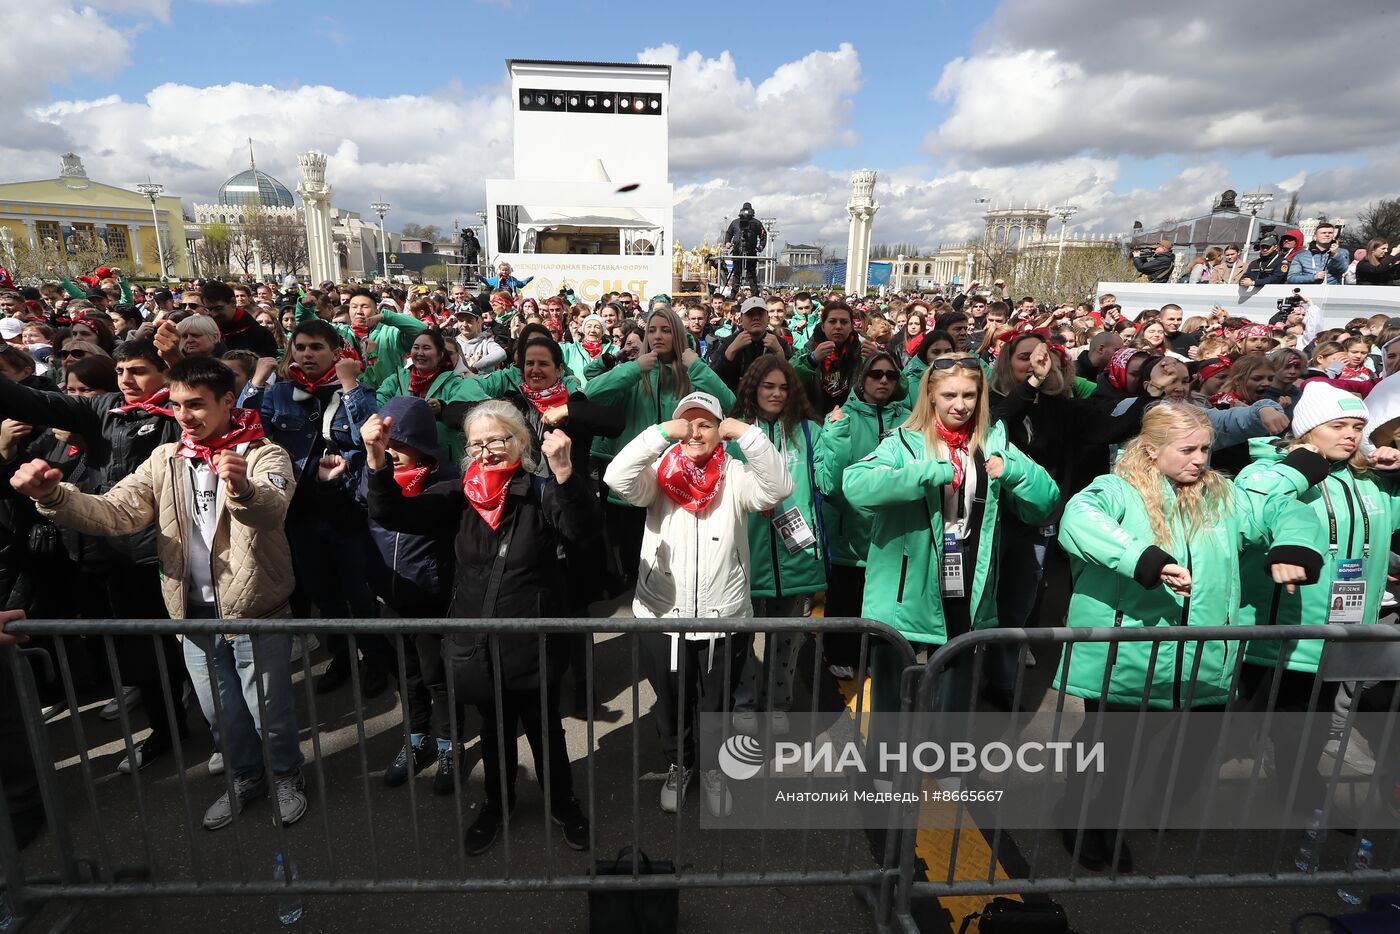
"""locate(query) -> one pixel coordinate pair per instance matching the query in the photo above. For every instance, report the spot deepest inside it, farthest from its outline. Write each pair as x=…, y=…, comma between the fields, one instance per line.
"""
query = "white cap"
x=10, y=328
x=699, y=400
x=1322, y=402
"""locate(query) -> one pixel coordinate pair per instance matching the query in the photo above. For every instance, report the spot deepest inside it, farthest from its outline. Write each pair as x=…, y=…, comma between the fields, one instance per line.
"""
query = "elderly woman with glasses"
x=951, y=469
x=509, y=521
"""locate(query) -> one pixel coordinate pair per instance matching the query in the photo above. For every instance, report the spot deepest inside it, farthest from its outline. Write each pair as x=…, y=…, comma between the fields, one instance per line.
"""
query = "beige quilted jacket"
x=252, y=562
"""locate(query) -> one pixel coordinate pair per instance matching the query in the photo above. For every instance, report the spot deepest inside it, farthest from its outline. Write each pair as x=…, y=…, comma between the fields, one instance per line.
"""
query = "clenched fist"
x=232, y=468
x=37, y=480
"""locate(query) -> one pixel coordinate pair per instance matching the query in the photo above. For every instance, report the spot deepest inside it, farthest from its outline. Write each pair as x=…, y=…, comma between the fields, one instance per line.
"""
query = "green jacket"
x=1116, y=569
x=383, y=350
x=903, y=578
x=1301, y=476
x=76, y=291
x=576, y=361
x=446, y=387
x=306, y=312
x=499, y=382
x=774, y=571
x=842, y=443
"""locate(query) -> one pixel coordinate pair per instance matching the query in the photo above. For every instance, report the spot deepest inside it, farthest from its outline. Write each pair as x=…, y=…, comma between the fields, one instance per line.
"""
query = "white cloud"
x=721, y=121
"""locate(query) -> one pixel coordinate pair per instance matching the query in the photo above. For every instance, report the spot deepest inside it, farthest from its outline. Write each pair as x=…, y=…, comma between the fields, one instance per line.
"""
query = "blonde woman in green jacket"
x=935, y=488
x=1322, y=467
x=1157, y=543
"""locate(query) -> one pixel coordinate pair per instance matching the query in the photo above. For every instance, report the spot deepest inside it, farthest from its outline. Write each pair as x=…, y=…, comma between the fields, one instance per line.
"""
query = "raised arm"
x=886, y=477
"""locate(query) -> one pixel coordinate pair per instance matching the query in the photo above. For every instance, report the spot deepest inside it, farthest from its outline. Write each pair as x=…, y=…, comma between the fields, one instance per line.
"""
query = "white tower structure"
x=320, y=242
x=862, y=208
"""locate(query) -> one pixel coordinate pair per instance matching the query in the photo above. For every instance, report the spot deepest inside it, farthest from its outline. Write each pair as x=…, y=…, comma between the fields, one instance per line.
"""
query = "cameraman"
x=1157, y=265
x=1269, y=268
x=1324, y=261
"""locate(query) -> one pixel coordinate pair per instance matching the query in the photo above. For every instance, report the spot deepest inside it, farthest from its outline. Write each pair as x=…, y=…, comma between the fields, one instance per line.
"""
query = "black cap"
x=1270, y=240
x=161, y=295
x=96, y=295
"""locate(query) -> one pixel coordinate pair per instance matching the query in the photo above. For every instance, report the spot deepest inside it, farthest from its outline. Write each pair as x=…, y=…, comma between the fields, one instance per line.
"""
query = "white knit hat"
x=1322, y=402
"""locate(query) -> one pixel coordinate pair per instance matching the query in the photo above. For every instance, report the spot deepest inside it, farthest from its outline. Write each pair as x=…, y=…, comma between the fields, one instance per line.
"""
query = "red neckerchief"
x=486, y=491
x=419, y=383
x=545, y=399
x=240, y=322
x=299, y=376
x=1226, y=399
x=956, y=441
x=690, y=486
x=247, y=427
x=1351, y=372
x=592, y=348
x=834, y=378
x=154, y=404
x=359, y=330
x=411, y=479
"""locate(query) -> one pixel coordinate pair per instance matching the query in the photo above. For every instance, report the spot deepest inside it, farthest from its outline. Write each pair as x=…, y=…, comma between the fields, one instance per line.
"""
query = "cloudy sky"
x=1132, y=111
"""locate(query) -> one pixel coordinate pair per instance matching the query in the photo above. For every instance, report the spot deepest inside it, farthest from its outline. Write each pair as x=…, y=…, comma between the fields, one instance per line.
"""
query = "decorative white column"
x=320, y=243
x=862, y=208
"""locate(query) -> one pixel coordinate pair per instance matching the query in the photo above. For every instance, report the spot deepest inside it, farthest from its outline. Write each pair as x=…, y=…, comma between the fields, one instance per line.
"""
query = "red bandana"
x=592, y=348
x=1226, y=399
x=240, y=322
x=299, y=376
x=360, y=330
x=420, y=383
x=411, y=479
x=1116, y=370
x=1354, y=372
x=247, y=426
x=545, y=399
x=486, y=491
x=690, y=486
x=154, y=404
x=955, y=439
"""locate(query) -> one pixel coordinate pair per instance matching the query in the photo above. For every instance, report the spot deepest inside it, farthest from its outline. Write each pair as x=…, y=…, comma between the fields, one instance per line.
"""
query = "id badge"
x=1346, y=602
x=953, y=567
x=794, y=531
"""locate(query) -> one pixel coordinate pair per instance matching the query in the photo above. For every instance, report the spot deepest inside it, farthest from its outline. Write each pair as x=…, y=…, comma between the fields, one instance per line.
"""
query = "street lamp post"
x=381, y=208
x=153, y=190
x=1064, y=212
x=770, y=224
x=1253, y=202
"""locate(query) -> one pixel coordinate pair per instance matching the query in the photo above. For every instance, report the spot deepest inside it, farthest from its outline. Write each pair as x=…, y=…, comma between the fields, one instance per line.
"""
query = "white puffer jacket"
x=697, y=564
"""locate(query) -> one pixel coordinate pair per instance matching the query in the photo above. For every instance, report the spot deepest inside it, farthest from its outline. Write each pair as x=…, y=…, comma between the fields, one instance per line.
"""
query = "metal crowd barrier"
x=107, y=839
x=1367, y=655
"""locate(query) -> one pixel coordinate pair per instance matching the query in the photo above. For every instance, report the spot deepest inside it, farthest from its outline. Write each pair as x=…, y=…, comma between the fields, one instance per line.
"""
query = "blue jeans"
x=241, y=743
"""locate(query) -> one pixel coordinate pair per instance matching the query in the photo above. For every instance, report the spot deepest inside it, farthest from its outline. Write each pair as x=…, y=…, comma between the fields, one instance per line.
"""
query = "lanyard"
x=1332, y=522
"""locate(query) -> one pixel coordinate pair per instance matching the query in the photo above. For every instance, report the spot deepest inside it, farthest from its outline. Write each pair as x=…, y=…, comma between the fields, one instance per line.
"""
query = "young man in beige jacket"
x=218, y=500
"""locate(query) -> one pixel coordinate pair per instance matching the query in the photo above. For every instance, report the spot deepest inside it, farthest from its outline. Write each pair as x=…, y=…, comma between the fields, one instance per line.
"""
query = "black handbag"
x=467, y=655
x=639, y=911
x=1009, y=916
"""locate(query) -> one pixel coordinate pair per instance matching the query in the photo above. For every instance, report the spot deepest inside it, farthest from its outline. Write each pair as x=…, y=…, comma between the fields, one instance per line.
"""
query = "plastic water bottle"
x=1306, y=857
x=1350, y=893
x=289, y=906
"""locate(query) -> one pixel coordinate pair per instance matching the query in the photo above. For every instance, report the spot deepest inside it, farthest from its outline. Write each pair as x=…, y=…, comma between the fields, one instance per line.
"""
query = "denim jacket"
x=294, y=424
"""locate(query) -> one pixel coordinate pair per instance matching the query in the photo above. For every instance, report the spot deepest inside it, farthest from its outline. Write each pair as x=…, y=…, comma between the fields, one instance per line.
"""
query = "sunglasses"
x=882, y=374
x=191, y=305
x=970, y=363
x=76, y=354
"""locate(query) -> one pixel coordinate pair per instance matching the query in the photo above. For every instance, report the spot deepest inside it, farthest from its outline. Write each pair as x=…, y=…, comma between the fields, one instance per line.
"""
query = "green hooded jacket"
x=842, y=443
x=1301, y=476
x=1117, y=582
x=774, y=571
x=903, y=578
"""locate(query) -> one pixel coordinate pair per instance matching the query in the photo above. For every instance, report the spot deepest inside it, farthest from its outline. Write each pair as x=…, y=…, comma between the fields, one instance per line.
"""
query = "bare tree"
x=283, y=241
x=242, y=250
x=430, y=232
x=1380, y=221
x=214, y=249
x=1081, y=270
x=1290, y=214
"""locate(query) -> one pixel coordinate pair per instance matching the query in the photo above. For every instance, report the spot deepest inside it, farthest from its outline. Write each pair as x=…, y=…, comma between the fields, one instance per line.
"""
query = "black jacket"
x=118, y=443
x=243, y=333
x=1268, y=270
x=1383, y=273
x=732, y=371
x=545, y=515
x=1156, y=267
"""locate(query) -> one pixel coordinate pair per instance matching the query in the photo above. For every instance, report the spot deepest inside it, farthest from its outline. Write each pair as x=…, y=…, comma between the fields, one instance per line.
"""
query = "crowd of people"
x=1283, y=258
x=248, y=451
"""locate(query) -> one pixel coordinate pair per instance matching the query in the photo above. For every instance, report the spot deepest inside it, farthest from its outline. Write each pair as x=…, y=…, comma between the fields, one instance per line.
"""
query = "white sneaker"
x=304, y=645
x=779, y=723
x=841, y=672
x=1358, y=760
x=673, y=790
x=129, y=696
x=718, y=801
x=745, y=722
x=216, y=764
x=54, y=709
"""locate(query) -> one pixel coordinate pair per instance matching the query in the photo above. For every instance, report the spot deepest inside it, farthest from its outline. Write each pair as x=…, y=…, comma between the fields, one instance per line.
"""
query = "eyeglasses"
x=489, y=446
x=970, y=363
x=76, y=354
x=882, y=374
